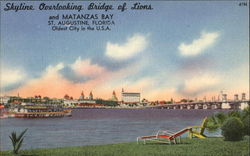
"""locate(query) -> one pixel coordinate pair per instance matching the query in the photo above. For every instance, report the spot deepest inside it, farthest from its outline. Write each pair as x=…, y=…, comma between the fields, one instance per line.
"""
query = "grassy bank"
x=189, y=147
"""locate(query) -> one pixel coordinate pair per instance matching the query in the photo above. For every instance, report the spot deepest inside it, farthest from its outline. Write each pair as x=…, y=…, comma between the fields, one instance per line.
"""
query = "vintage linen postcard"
x=125, y=78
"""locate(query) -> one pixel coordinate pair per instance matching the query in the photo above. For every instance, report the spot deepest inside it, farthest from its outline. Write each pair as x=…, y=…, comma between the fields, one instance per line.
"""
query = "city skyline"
x=118, y=95
x=176, y=50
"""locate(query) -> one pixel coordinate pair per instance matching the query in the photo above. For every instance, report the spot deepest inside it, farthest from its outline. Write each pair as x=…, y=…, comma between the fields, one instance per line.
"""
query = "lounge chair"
x=165, y=136
x=198, y=131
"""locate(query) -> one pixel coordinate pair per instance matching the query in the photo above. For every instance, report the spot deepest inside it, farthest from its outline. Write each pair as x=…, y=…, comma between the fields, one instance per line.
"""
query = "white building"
x=87, y=101
x=70, y=103
x=130, y=97
x=4, y=100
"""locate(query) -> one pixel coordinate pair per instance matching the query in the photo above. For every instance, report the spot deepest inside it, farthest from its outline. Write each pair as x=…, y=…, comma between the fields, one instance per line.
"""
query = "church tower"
x=91, y=95
x=114, y=98
x=82, y=96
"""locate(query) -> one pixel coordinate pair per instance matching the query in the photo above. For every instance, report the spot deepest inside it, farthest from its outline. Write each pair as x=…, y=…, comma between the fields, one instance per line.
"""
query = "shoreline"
x=214, y=146
x=11, y=115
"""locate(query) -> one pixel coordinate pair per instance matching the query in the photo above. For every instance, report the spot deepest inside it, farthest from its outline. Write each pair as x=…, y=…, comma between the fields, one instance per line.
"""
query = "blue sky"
x=178, y=49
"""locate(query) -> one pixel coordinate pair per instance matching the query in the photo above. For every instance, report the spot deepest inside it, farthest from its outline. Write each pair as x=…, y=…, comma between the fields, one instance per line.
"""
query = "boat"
x=39, y=111
x=3, y=113
x=2, y=116
x=68, y=112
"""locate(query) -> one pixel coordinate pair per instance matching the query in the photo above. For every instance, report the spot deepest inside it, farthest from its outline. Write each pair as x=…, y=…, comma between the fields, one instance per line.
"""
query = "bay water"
x=98, y=126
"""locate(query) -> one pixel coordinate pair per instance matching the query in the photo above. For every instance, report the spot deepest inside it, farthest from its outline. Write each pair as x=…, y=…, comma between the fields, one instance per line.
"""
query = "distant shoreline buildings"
x=128, y=99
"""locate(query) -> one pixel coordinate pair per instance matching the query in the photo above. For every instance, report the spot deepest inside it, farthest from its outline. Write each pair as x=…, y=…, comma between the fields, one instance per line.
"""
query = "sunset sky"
x=177, y=50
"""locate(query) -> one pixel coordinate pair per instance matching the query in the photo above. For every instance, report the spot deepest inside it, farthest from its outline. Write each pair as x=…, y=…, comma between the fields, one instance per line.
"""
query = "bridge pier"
x=171, y=107
x=234, y=105
x=216, y=106
x=219, y=105
x=176, y=107
x=198, y=106
x=166, y=107
x=191, y=106
x=225, y=105
x=244, y=105
x=207, y=106
x=183, y=107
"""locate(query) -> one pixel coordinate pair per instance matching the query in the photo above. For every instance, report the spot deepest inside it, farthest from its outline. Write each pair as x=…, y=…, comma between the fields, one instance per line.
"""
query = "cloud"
x=10, y=77
x=50, y=83
x=134, y=45
x=87, y=68
x=198, y=45
x=199, y=84
x=50, y=70
x=53, y=82
x=69, y=74
x=82, y=70
x=237, y=79
x=60, y=79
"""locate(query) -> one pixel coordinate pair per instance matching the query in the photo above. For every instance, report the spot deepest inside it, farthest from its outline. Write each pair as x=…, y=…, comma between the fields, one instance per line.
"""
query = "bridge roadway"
x=232, y=104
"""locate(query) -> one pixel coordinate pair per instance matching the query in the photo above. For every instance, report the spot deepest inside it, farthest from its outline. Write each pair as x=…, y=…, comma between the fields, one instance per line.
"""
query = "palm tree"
x=216, y=121
x=246, y=112
x=17, y=141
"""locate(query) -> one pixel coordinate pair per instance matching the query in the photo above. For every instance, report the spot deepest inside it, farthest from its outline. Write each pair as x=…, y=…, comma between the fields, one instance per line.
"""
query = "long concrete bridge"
x=234, y=104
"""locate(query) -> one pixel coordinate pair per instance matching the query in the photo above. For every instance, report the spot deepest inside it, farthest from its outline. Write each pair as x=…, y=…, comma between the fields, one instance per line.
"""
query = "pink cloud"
x=87, y=68
x=53, y=84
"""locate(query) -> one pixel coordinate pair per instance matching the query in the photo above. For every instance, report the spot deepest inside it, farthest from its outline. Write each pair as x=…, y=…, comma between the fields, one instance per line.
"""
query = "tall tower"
x=122, y=98
x=243, y=96
x=204, y=99
x=224, y=97
x=220, y=96
x=236, y=97
x=91, y=95
x=114, y=98
x=82, y=96
x=66, y=97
